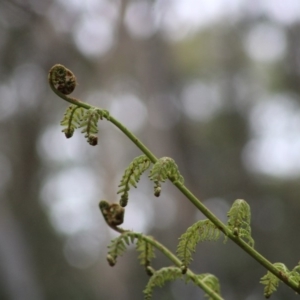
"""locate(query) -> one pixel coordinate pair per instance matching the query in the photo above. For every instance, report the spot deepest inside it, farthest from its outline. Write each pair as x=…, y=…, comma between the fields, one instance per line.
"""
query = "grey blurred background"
x=213, y=84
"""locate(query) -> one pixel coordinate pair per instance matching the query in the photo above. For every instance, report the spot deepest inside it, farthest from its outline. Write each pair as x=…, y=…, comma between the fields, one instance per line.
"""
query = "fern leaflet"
x=295, y=274
x=271, y=282
x=146, y=252
x=89, y=125
x=203, y=230
x=212, y=282
x=165, y=168
x=132, y=176
x=159, y=278
x=118, y=246
x=239, y=217
x=72, y=119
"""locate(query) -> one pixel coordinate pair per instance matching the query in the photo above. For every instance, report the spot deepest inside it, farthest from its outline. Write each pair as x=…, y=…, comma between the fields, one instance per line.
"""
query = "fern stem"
x=134, y=139
x=251, y=251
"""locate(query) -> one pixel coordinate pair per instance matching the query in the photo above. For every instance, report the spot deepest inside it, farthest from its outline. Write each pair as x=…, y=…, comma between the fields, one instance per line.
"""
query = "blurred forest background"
x=214, y=84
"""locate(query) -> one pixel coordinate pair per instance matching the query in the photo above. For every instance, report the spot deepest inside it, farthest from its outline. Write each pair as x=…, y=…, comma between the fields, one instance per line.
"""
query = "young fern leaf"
x=239, y=217
x=118, y=246
x=89, y=125
x=72, y=119
x=271, y=282
x=146, y=252
x=203, y=230
x=132, y=176
x=212, y=282
x=159, y=278
x=165, y=168
x=295, y=274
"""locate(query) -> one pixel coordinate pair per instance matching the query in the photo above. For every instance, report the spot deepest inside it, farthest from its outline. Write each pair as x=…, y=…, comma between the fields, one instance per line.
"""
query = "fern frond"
x=146, y=252
x=89, y=125
x=163, y=169
x=72, y=119
x=271, y=282
x=159, y=278
x=239, y=217
x=132, y=176
x=118, y=246
x=212, y=282
x=203, y=230
x=295, y=274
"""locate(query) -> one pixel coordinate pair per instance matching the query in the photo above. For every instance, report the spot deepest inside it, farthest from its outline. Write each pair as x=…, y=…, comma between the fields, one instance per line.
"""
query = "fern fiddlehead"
x=63, y=82
x=62, y=79
x=113, y=214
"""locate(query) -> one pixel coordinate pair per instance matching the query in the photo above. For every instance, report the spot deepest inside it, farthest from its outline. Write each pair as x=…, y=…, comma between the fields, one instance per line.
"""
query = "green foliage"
x=160, y=277
x=118, y=246
x=203, y=230
x=131, y=176
x=239, y=217
x=212, y=282
x=295, y=274
x=271, y=282
x=72, y=119
x=89, y=125
x=165, y=168
x=85, y=116
x=87, y=119
x=146, y=251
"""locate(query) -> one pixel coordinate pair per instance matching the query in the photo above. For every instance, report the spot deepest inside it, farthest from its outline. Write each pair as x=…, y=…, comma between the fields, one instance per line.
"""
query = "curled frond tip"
x=62, y=79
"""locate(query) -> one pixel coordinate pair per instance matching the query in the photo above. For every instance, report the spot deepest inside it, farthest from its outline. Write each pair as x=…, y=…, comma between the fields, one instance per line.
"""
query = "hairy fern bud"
x=62, y=79
x=112, y=213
